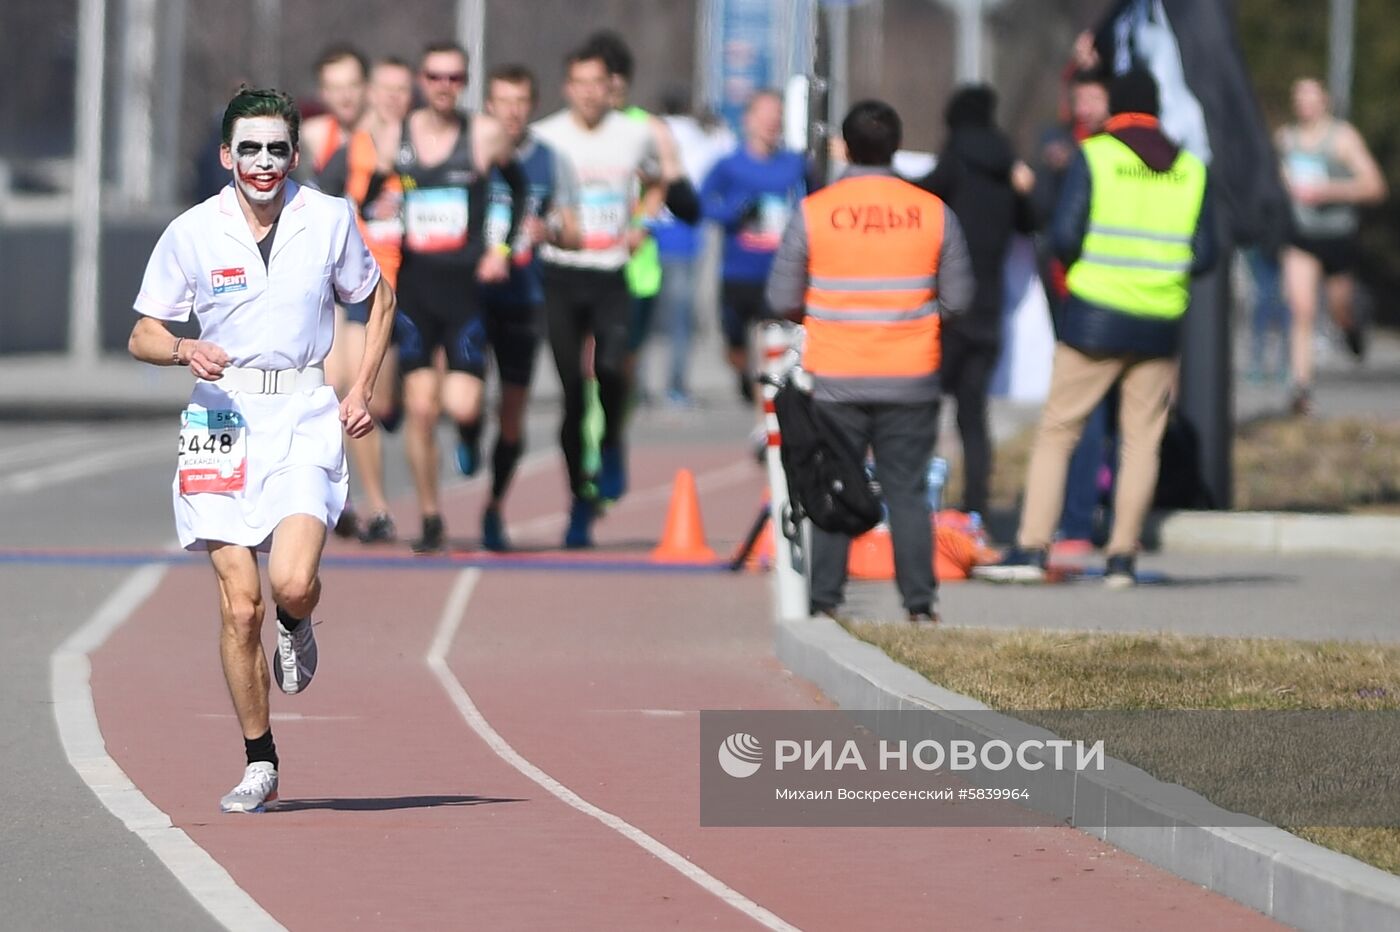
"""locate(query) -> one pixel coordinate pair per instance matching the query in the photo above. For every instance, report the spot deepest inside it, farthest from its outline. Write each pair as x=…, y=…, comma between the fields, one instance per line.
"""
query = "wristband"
x=503, y=249
x=175, y=353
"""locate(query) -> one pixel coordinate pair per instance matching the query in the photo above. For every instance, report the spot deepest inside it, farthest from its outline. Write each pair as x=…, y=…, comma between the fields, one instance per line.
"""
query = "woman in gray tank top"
x=1330, y=175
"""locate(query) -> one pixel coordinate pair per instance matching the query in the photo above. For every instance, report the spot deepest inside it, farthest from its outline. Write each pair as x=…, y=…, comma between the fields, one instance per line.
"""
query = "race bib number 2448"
x=212, y=452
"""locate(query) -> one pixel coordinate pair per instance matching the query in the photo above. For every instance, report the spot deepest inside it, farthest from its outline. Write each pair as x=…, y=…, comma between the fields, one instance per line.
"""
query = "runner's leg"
x=294, y=570
x=1302, y=274
x=240, y=635
x=1341, y=297
x=340, y=372
x=566, y=335
x=294, y=566
x=612, y=306
x=367, y=452
x=422, y=408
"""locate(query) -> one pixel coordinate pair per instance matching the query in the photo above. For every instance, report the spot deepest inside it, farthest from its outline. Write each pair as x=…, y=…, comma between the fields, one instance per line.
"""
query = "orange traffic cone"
x=764, y=551
x=683, y=540
x=872, y=555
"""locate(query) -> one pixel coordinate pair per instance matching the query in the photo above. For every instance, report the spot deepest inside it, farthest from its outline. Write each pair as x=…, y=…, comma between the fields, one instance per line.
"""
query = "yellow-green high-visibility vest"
x=1137, y=254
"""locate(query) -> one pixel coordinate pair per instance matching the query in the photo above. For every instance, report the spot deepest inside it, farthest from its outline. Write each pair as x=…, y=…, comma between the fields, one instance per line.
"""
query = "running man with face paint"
x=446, y=159
x=260, y=459
x=512, y=307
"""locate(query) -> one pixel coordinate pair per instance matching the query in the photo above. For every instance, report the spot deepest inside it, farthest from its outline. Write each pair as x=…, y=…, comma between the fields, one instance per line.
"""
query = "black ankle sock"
x=261, y=749
x=503, y=461
x=288, y=621
x=470, y=434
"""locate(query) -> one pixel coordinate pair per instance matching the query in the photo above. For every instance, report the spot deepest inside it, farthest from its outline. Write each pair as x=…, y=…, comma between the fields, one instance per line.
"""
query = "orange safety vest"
x=385, y=240
x=872, y=298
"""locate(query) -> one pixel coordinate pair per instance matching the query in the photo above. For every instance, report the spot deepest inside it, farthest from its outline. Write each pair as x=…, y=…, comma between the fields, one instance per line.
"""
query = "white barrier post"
x=789, y=562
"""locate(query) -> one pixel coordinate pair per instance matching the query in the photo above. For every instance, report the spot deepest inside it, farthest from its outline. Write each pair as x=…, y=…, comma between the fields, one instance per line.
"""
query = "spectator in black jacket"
x=980, y=178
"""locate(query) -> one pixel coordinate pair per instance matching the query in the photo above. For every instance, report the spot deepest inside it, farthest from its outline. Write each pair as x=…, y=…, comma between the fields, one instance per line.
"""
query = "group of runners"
x=493, y=231
x=359, y=268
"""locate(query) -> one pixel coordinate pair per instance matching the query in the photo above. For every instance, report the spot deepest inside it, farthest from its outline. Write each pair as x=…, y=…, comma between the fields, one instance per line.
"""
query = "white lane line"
x=445, y=634
x=41, y=477
x=70, y=684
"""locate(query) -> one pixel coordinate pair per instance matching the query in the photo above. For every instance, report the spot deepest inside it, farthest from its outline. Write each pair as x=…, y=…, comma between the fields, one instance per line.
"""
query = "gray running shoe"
x=296, y=657
x=257, y=788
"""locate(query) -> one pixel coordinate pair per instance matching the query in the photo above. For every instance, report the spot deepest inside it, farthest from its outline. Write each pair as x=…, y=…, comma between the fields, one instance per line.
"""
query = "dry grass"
x=1281, y=464
x=1051, y=670
x=1038, y=670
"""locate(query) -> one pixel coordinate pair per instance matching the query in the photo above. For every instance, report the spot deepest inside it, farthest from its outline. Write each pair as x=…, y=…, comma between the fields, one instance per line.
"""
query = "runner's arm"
x=723, y=203
x=668, y=160
x=377, y=333
x=497, y=151
x=787, y=282
x=151, y=341
x=683, y=202
x=1366, y=186
x=562, y=224
x=167, y=296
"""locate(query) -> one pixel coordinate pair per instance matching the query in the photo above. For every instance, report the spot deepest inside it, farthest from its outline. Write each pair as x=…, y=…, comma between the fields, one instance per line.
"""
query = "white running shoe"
x=296, y=657
x=255, y=791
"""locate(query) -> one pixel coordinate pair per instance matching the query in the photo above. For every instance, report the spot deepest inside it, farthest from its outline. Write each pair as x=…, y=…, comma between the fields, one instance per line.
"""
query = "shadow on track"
x=387, y=803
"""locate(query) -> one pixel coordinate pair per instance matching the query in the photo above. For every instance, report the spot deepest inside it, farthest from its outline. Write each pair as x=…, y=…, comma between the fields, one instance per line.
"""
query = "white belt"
x=270, y=381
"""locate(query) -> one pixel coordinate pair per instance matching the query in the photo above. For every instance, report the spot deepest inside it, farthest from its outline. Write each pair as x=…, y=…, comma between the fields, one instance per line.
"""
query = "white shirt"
x=700, y=149
x=279, y=316
x=605, y=160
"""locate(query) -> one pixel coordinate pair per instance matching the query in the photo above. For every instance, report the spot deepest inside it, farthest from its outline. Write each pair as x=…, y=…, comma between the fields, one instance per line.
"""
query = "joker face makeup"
x=260, y=155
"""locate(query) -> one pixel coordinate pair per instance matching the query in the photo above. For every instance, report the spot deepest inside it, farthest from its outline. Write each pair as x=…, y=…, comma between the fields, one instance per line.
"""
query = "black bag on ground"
x=826, y=479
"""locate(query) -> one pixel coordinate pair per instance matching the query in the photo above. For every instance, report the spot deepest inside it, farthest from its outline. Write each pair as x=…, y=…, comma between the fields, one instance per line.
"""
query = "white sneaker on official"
x=255, y=791
x=295, y=661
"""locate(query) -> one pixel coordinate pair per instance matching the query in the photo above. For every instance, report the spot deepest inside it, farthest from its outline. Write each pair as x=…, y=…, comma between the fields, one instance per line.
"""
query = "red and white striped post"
x=789, y=572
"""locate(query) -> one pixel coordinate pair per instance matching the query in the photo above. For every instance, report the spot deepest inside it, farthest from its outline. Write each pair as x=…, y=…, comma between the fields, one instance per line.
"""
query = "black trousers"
x=966, y=373
x=902, y=438
x=579, y=302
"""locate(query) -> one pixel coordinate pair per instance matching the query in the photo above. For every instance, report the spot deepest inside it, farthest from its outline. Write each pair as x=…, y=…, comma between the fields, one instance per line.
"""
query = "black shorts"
x=439, y=307
x=742, y=304
x=1338, y=254
x=513, y=331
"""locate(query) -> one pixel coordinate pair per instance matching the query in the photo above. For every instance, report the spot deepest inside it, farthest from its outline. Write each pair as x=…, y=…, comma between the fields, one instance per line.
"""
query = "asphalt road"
x=65, y=862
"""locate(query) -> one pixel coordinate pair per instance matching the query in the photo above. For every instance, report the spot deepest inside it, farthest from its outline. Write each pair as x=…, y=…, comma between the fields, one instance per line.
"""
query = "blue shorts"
x=358, y=313
x=439, y=307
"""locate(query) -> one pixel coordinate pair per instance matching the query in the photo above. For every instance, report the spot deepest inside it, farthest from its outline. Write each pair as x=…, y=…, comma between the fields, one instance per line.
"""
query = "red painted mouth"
x=262, y=181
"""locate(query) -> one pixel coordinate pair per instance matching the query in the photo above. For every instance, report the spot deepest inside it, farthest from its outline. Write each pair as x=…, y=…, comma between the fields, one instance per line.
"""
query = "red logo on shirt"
x=225, y=280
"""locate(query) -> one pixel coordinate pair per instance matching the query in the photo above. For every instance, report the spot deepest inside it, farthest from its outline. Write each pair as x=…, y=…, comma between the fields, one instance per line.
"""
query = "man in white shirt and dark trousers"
x=586, y=289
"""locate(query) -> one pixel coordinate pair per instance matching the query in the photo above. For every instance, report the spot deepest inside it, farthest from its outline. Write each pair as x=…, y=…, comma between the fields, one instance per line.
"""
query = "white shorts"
x=296, y=466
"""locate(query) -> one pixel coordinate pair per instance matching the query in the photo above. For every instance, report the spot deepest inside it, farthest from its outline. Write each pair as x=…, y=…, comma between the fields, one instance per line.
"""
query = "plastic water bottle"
x=975, y=528
x=937, y=476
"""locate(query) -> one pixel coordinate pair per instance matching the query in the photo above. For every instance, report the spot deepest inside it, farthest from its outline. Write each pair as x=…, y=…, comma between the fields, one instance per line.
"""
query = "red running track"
x=396, y=814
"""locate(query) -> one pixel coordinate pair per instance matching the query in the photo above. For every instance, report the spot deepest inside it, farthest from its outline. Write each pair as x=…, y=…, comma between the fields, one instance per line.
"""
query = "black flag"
x=1192, y=44
x=1208, y=106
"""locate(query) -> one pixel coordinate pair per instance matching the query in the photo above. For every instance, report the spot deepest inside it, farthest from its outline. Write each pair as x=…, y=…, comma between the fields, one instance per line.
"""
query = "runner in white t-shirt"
x=586, y=289
x=261, y=461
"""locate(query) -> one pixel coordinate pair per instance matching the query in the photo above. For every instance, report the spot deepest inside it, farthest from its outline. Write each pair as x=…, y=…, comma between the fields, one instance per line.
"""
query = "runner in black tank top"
x=444, y=211
x=445, y=256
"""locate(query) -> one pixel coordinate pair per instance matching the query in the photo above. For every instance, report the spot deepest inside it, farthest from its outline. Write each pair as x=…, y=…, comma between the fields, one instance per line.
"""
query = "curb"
x=1265, y=868
x=1276, y=533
